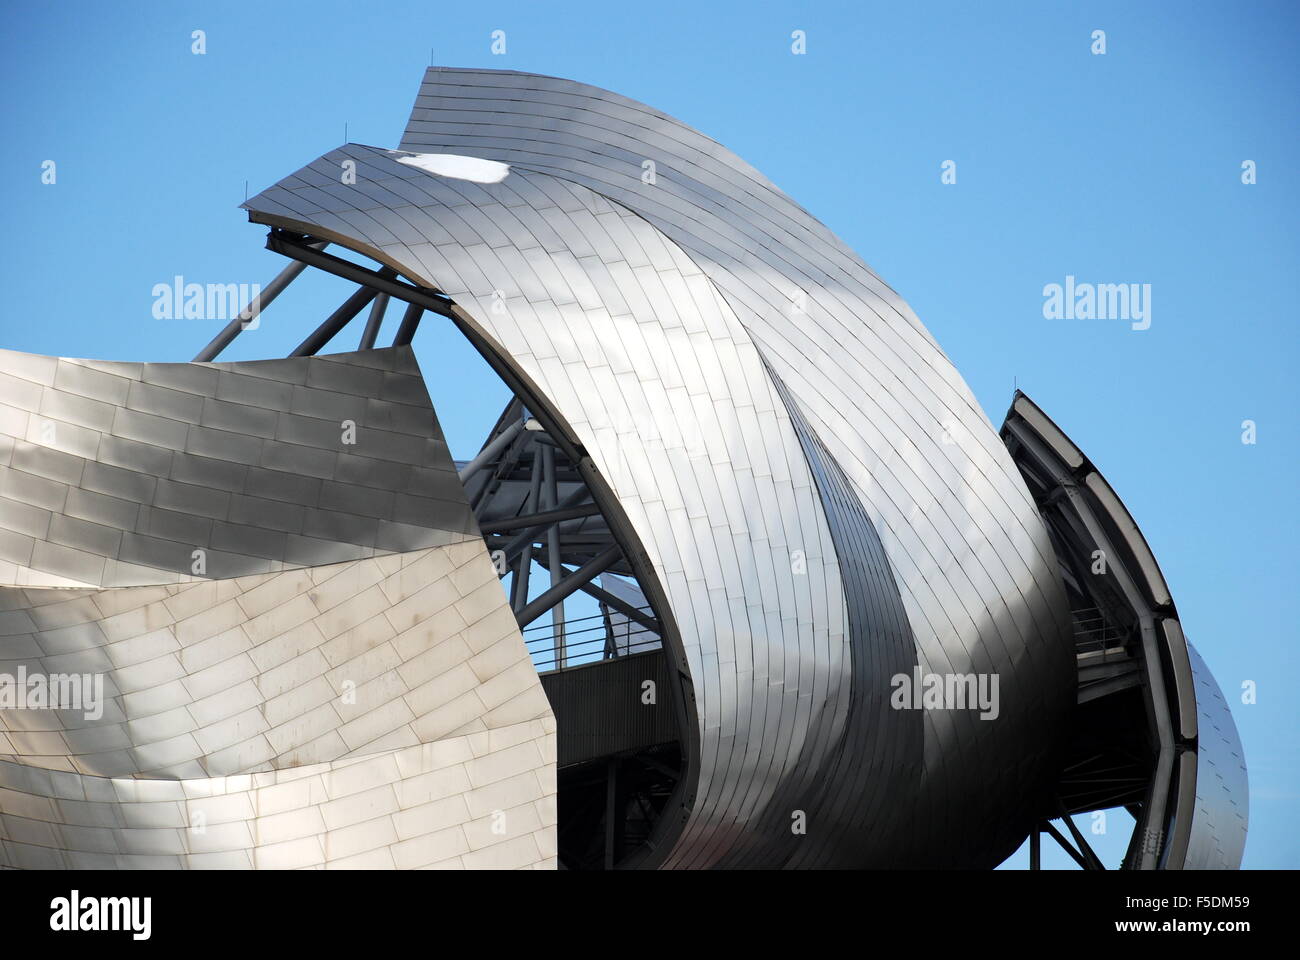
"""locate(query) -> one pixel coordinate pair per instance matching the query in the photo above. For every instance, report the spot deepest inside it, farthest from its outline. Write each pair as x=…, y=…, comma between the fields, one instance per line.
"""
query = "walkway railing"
x=584, y=640
x=1093, y=631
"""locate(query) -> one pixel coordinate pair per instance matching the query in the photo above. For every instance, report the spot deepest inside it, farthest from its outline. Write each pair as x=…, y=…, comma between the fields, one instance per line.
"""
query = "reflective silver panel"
x=114, y=474
x=644, y=308
x=1218, y=834
x=343, y=685
x=822, y=506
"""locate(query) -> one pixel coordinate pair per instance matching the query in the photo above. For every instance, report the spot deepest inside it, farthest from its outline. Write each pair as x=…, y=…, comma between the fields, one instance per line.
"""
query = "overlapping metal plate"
x=342, y=684
x=648, y=304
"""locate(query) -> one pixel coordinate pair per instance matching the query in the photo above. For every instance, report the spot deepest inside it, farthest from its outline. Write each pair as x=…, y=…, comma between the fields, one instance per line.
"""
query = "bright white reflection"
x=462, y=168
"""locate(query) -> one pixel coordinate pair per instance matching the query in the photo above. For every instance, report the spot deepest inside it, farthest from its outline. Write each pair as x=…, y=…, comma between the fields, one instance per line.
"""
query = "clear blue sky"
x=1116, y=168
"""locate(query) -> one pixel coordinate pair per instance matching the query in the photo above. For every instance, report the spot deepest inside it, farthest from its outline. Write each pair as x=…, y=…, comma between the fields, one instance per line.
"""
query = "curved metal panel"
x=870, y=790
x=662, y=388
x=114, y=474
x=378, y=711
x=645, y=311
x=270, y=671
x=877, y=390
x=431, y=805
x=1218, y=833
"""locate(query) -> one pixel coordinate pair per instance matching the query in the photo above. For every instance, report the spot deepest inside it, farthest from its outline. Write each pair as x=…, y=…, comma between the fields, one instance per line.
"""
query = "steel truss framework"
x=1136, y=740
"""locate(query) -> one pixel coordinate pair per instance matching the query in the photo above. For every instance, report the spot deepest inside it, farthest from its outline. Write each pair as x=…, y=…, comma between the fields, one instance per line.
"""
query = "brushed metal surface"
x=645, y=313
x=345, y=685
x=117, y=472
x=1219, y=824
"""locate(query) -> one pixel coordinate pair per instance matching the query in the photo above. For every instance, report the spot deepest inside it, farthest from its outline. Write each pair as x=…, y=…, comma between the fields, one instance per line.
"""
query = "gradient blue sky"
x=1115, y=168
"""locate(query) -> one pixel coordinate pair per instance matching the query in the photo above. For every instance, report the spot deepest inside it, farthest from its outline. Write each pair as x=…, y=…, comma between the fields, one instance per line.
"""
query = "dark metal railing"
x=584, y=640
x=1094, y=631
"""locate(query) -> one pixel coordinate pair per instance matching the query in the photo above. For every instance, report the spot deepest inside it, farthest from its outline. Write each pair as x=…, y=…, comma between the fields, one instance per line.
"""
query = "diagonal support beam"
x=488, y=453
x=529, y=536
x=508, y=460
x=622, y=606
x=1094, y=862
x=636, y=614
x=654, y=764
x=285, y=244
x=410, y=321
x=373, y=322
x=254, y=309
x=336, y=321
x=566, y=586
x=1065, y=844
x=541, y=520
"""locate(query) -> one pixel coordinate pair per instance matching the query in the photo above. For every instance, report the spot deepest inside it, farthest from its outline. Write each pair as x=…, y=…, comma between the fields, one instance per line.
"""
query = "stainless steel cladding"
x=251, y=623
x=653, y=288
x=878, y=645
x=1218, y=833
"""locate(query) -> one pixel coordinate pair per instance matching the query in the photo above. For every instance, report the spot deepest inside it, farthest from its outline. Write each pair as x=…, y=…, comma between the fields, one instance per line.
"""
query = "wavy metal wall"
x=344, y=686
x=645, y=309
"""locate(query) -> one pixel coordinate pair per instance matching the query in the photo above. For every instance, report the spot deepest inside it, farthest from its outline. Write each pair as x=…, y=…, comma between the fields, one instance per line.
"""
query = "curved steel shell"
x=305, y=652
x=113, y=474
x=1218, y=831
x=314, y=664
x=812, y=539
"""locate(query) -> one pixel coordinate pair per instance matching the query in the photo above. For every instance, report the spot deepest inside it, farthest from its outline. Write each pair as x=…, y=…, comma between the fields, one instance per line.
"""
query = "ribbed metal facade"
x=1218, y=836
x=305, y=655
x=805, y=489
x=648, y=314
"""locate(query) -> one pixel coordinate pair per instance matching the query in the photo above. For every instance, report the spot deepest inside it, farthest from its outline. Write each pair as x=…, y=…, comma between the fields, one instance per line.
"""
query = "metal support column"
x=337, y=320
x=570, y=584
x=613, y=815
x=526, y=557
x=410, y=320
x=373, y=322
x=550, y=498
x=611, y=642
